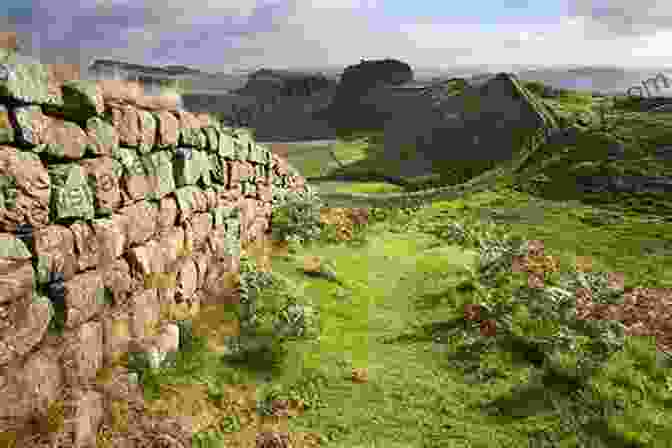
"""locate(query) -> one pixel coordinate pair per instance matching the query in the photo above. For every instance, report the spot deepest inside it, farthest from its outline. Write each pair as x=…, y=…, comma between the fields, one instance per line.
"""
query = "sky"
x=225, y=35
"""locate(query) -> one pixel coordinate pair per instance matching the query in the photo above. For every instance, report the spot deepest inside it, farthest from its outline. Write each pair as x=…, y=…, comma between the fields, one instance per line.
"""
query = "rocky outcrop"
x=465, y=122
x=281, y=83
x=115, y=220
x=369, y=74
x=347, y=109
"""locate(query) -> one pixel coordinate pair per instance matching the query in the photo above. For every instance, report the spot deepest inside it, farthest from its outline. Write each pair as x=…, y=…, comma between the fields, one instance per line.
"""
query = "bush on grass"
x=501, y=306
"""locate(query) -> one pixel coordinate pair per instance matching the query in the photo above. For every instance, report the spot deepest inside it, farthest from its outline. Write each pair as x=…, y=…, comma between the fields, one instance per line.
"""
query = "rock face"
x=272, y=83
x=106, y=221
x=347, y=110
x=487, y=121
x=368, y=74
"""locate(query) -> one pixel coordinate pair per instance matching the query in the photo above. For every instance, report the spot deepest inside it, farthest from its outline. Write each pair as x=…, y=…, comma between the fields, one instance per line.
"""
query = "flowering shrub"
x=539, y=310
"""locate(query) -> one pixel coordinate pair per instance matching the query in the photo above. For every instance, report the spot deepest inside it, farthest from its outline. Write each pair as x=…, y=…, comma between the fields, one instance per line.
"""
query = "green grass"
x=360, y=187
x=399, y=302
x=394, y=317
x=315, y=163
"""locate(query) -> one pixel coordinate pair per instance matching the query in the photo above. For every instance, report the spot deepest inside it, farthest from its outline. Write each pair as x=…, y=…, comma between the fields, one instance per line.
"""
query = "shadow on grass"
x=583, y=418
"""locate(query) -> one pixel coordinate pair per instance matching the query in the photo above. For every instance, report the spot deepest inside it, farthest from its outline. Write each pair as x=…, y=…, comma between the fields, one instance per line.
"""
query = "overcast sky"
x=220, y=35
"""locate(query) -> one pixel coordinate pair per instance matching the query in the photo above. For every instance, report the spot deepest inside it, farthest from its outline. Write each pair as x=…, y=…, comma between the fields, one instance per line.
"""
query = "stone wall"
x=115, y=222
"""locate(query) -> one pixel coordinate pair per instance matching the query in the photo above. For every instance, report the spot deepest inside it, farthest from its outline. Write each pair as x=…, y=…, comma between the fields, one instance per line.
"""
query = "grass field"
x=394, y=318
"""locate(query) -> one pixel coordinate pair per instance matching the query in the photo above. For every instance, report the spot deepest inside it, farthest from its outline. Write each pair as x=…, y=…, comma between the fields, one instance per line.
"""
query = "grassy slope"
x=399, y=301
x=400, y=285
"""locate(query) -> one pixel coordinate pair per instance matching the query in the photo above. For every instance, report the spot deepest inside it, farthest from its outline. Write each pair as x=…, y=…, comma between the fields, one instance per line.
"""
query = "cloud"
x=221, y=35
x=625, y=17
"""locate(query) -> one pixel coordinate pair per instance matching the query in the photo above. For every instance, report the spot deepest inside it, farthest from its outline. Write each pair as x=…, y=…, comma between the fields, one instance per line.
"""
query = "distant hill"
x=195, y=81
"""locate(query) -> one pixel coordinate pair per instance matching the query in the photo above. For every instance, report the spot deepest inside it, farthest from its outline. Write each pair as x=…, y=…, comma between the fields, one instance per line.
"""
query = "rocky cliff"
x=469, y=123
x=348, y=110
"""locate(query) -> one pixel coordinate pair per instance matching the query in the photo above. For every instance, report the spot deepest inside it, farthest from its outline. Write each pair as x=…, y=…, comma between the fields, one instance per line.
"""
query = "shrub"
x=540, y=316
x=272, y=310
x=298, y=219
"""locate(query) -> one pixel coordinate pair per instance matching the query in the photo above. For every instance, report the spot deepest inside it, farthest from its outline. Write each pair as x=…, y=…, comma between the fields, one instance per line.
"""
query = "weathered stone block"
x=31, y=126
x=84, y=298
x=159, y=168
x=28, y=82
x=55, y=251
x=104, y=175
x=147, y=137
x=64, y=139
x=83, y=353
x=103, y=137
x=71, y=194
x=127, y=122
x=16, y=271
x=25, y=190
x=169, y=130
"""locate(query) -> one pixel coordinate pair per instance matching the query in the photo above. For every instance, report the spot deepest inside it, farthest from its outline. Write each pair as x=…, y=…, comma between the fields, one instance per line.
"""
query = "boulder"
x=55, y=251
x=186, y=279
x=127, y=123
x=111, y=235
x=141, y=221
x=84, y=298
x=191, y=169
x=190, y=130
x=227, y=148
x=16, y=271
x=212, y=134
x=86, y=412
x=157, y=256
x=159, y=168
x=168, y=129
x=26, y=80
x=71, y=193
x=23, y=325
x=103, y=137
x=31, y=126
x=168, y=213
x=83, y=353
x=31, y=385
x=104, y=178
x=148, y=126
x=145, y=314
x=64, y=139
x=197, y=229
x=191, y=199
x=117, y=279
x=136, y=180
x=219, y=172
x=25, y=190
x=86, y=245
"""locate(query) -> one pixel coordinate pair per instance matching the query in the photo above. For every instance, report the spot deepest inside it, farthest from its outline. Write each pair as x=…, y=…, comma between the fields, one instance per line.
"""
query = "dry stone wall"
x=115, y=222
